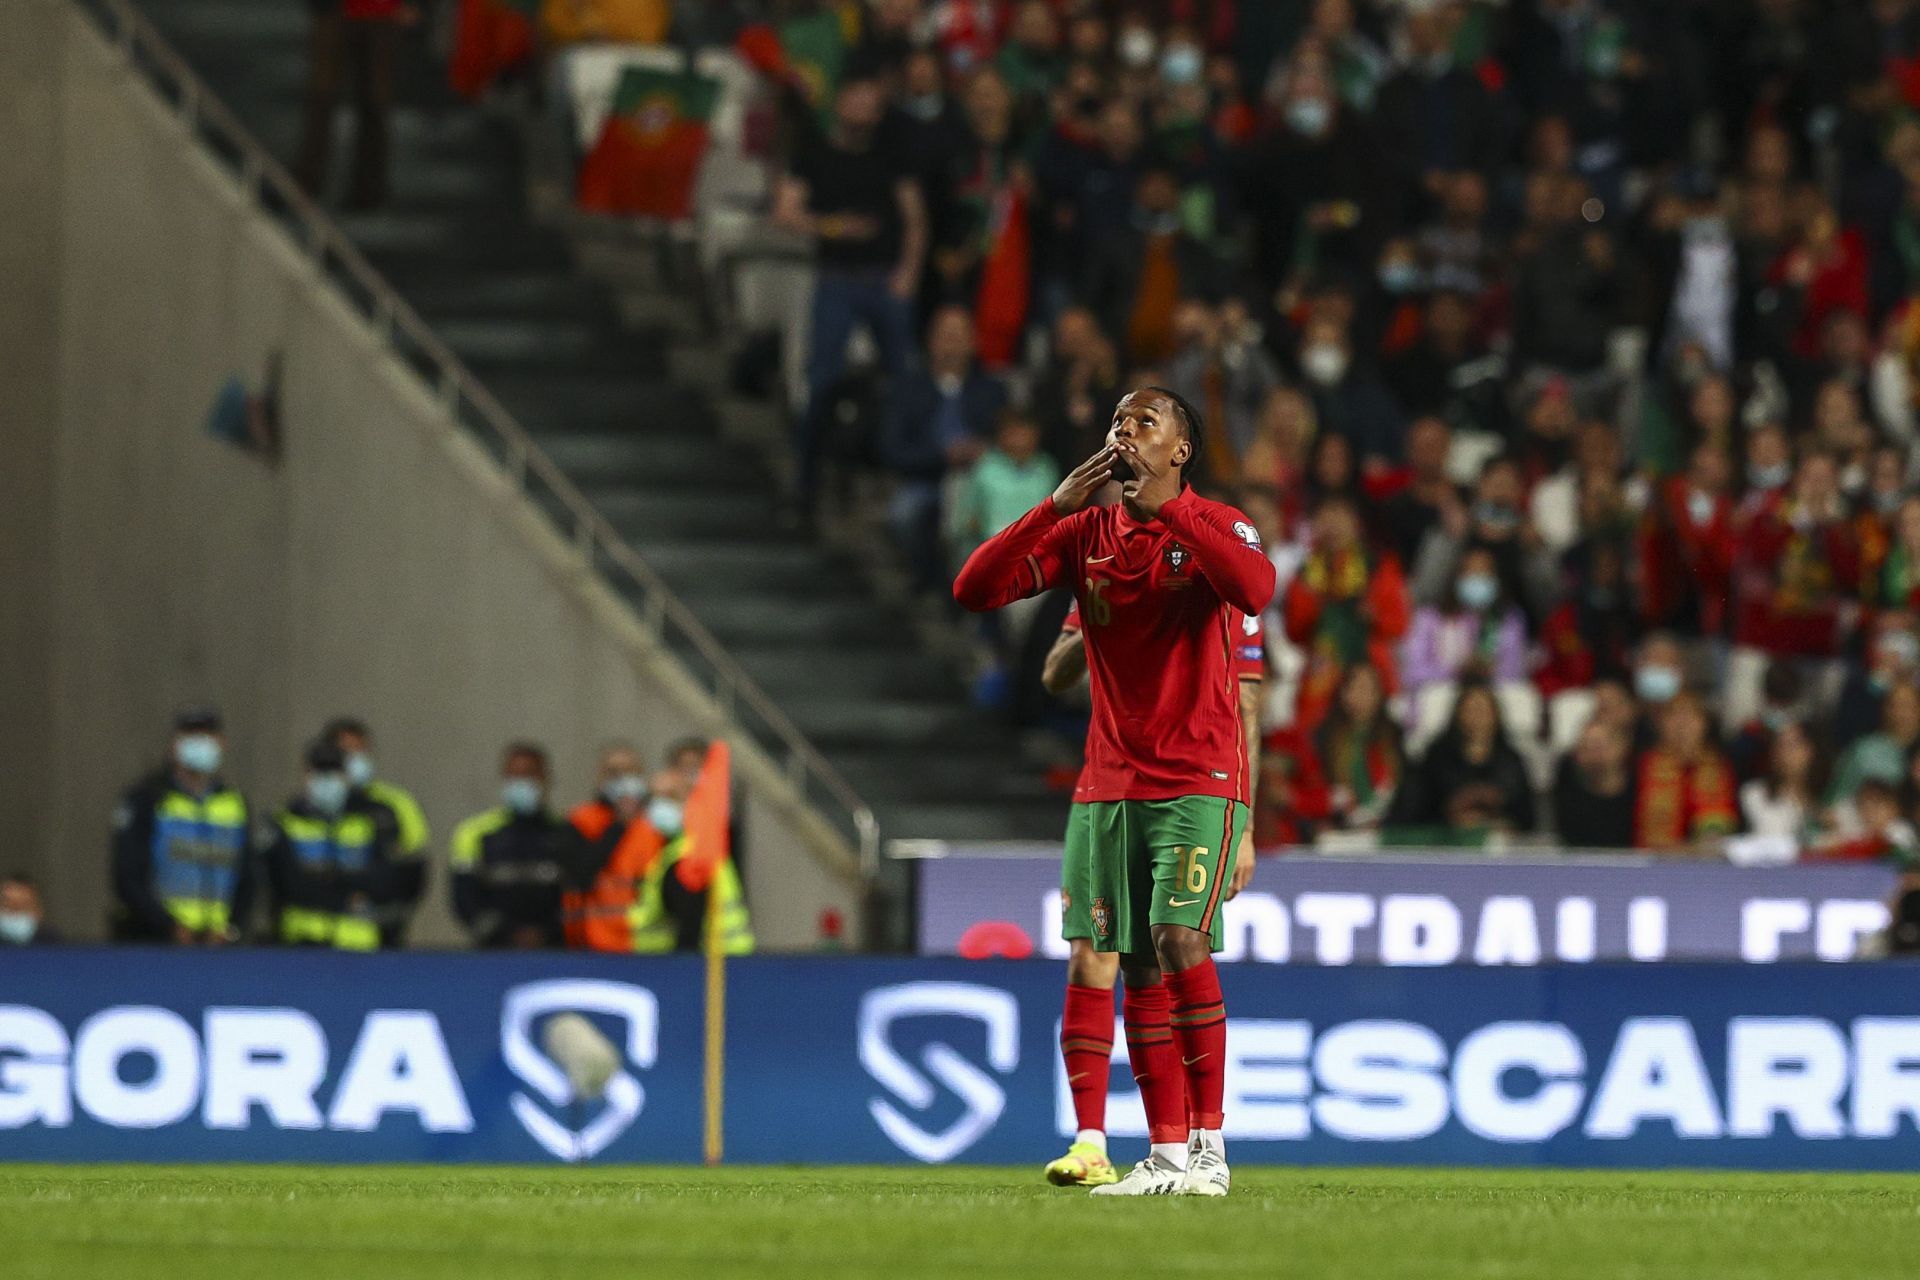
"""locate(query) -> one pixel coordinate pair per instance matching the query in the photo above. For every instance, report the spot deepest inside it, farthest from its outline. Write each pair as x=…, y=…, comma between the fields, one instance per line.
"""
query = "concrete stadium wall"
x=382, y=567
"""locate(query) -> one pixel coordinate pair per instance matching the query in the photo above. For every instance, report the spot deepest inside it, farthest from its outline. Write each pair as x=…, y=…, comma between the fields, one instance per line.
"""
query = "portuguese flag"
x=1006, y=280
x=807, y=52
x=489, y=37
x=648, y=156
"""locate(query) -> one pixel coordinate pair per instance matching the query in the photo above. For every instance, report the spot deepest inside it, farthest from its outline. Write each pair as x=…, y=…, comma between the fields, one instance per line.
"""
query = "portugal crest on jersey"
x=1177, y=557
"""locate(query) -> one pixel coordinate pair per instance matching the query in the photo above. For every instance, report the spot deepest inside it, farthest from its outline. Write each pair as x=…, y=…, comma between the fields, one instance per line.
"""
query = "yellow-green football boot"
x=1084, y=1165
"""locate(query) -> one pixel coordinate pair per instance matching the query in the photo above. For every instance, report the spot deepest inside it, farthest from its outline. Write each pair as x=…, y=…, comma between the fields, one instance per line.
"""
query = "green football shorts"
x=1132, y=864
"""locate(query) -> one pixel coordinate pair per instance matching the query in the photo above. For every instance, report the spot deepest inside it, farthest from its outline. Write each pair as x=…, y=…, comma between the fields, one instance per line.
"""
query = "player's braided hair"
x=1196, y=427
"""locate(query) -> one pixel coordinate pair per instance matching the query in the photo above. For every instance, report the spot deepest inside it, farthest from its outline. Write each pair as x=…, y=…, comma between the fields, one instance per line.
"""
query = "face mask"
x=1496, y=516
x=1888, y=503
x=1477, y=590
x=1656, y=684
x=1768, y=477
x=198, y=753
x=926, y=107
x=666, y=815
x=327, y=792
x=1900, y=647
x=17, y=928
x=1309, y=117
x=1181, y=65
x=625, y=786
x=1137, y=47
x=1400, y=276
x=1325, y=363
x=523, y=795
x=1156, y=224
x=1854, y=479
x=1700, y=506
x=359, y=768
x=1773, y=719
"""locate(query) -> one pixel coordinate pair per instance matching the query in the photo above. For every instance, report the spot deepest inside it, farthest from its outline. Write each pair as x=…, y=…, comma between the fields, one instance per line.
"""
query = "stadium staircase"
x=622, y=392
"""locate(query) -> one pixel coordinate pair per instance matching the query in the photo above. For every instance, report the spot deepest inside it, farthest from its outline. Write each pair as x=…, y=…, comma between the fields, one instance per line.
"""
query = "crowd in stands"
x=1563, y=352
x=644, y=865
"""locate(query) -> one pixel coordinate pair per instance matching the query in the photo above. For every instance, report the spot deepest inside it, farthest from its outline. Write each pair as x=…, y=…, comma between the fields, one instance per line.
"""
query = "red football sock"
x=1156, y=1063
x=1086, y=1043
x=1200, y=1025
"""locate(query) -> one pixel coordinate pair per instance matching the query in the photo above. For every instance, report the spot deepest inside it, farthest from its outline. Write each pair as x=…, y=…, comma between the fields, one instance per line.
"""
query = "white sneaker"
x=1206, y=1173
x=1151, y=1177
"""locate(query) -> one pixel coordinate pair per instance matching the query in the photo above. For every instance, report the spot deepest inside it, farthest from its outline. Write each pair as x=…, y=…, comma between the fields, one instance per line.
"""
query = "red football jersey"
x=1163, y=604
x=1249, y=650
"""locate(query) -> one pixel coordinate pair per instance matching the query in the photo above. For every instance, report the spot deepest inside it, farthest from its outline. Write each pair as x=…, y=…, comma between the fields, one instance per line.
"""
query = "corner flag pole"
x=709, y=807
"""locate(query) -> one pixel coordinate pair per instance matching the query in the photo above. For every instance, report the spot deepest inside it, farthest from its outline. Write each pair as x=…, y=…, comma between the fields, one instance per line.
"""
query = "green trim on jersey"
x=1132, y=864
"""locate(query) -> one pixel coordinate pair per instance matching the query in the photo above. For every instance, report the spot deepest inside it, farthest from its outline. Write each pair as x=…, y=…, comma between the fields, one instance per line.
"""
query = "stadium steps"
x=585, y=357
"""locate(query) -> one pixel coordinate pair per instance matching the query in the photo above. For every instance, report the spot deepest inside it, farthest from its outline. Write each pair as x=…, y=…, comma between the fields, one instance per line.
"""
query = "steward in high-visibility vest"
x=330, y=856
x=602, y=888
x=182, y=847
x=682, y=853
x=406, y=879
x=511, y=863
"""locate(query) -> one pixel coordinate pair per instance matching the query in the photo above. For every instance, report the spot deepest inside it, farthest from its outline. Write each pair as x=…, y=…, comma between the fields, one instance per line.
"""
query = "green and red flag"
x=807, y=52
x=489, y=37
x=648, y=156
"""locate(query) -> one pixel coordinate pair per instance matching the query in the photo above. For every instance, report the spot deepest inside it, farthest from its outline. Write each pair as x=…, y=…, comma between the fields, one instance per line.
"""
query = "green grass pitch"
x=287, y=1222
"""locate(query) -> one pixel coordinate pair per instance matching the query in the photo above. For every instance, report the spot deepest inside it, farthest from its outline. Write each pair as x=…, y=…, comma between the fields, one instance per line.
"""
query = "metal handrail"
x=665, y=616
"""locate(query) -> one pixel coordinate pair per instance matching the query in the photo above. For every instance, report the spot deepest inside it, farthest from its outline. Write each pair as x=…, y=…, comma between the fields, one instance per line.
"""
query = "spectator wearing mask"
x=331, y=853
x=927, y=128
x=1471, y=780
x=1479, y=632
x=1684, y=787
x=1141, y=271
x=1892, y=659
x=613, y=845
x=1011, y=478
x=1593, y=791
x=510, y=863
x=23, y=918
x=1659, y=676
x=1346, y=606
x=183, y=857
x=358, y=41
x=1360, y=752
x=1769, y=471
x=405, y=879
x=673, y=909
x=1496, y=522
x=1088, y=182
x=1783, y=803
x=938, y=420
x=1348, y=398
x=1309, y=186
x=858, y=202
x=1223, y=369
x=1686, y=543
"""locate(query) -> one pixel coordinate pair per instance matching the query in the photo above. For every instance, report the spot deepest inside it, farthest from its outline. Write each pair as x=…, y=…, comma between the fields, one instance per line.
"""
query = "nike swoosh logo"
x=1190, y=1061
x=1181, y=902
x=1076, y=1079
x=1098, y=559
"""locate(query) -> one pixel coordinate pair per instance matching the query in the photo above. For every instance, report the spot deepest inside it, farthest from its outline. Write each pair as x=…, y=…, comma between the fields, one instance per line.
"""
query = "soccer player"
x=1163, y=799
x=1086, y=1038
